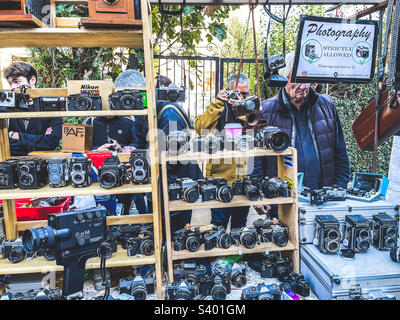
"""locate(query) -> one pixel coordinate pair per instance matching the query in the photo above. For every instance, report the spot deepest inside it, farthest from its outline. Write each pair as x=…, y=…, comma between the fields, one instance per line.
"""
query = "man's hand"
x=128, y=149
x=262, y=209
x=104, y=148
x=116, y=145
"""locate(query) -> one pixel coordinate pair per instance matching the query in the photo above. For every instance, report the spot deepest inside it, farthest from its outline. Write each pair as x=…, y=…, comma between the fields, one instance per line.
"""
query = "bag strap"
x=177, y=110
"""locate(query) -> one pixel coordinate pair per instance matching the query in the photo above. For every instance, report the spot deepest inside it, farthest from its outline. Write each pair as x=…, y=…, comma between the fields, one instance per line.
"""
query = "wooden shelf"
x=69, y=191
x=40, y=264
x=70, y=37
x=59, y=114
x=233, y=250
x=238, y=201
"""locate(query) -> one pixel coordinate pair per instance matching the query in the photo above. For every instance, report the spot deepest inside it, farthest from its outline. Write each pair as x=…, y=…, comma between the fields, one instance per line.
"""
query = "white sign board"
x=331, y=50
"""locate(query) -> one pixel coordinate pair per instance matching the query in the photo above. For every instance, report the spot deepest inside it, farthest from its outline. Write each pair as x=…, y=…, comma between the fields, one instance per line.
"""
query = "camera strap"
x=178, y=111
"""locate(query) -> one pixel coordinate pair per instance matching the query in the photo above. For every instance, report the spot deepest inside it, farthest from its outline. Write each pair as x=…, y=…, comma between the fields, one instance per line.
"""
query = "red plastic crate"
x=98, y=158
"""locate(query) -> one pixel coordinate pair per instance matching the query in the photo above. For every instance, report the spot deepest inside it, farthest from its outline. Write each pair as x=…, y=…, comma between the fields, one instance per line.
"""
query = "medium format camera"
x=276, y=62
x=238, y=275
x=112, y=173
x=142, y=244
x=245, y=106
x=217, y=285
x=296, y=282
x=172, y=93
x=247, y=237
x=138, y=287
x=217, y=238
x=13, y=101
x=187, y=239
x=13, y=250
x=80, y=172
x=177, y=142
x=189, y=271
x=58, y=172
x=385, y=231
x=50, y=103
x=248, y=186
x=209, y=144
x=181, y=290
x=327, y=234
x=184, y=189
x=32, y=173
x=275, y=187
x=84, y=102
x=271, y=230
x=139, y=161
x=261, y=292
x=127, y=99
x=272, y=138
x=272, y=65
x=357, y=233
x=8, y=174
x=362, y=52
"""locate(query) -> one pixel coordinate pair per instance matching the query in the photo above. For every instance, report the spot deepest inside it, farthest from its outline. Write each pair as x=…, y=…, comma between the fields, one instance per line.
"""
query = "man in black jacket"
x=27, y=135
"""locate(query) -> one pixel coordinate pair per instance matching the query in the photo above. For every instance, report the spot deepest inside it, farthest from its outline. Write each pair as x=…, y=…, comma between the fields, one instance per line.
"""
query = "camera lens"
x=270, y=190
x=139, y=163
x=225, y=241
x=225, y=194
x=2, y=171
x=26, y=179
x=364, y=234
x=147, y=247
x=247, y=240
x=251, y=192
x=333, y=235
x=332, y=247
x=238, y=279
x=54, y=178
x=77, y=178
x=362, y=244
x=389, y=241
x=139, y=174
x=128, y=102
x=3, y=180
x=132, y=245
x=24, y=168
x=77, y=167
x=17, y=254
x=54, y=168
x=35, y=239
x=83, y=103
x=173, y=95
x=50, y=254
x=279, y=237
x=182, y=294
x=218, y=292
x=192, y=243
x=191, y=194
x=389, y=232
x=139, y=292
x=108, y=180
x=279, y=141
x=3, y=96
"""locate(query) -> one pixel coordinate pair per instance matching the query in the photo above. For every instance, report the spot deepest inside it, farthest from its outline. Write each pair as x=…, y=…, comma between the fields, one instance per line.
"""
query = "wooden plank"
x=70, y=37
x=236, y=2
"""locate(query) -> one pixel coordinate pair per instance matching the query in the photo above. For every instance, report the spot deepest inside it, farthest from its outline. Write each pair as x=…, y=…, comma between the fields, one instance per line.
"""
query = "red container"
x=40, y=213
x=98, y=158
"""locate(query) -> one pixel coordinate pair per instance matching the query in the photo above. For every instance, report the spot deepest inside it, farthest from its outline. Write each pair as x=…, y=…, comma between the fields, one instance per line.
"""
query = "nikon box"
x=77, y=138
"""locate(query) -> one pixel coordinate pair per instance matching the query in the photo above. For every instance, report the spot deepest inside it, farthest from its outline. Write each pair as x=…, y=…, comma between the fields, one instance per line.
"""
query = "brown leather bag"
x=389, y=123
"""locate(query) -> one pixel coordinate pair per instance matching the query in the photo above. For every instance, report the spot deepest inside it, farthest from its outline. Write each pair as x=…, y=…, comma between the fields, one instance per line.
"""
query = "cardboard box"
x=100, y=87
x=77, y=138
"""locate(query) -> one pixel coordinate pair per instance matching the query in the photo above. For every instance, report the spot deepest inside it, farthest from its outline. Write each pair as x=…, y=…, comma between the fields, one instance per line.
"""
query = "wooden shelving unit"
x=287, y=167
x=67, y=34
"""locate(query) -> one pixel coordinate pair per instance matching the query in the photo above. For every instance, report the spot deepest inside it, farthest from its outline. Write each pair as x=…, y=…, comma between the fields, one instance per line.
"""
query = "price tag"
x=315, y=241
x=266, y=252
x=345, y=242
x=240, y=252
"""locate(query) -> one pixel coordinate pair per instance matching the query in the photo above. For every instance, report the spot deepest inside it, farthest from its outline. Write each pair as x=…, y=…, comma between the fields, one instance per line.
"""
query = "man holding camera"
x=313, y=125
x=31, y=134
x=217, y=115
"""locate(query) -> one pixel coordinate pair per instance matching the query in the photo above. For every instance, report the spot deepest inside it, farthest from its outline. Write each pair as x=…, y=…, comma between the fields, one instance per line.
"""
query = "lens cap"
x=347, y=254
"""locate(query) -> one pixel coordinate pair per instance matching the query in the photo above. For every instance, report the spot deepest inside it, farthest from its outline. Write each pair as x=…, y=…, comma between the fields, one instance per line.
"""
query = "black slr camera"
x=217, y=238
x=139, y=161
x=76, y=236
x=238, y=275
x=248, y=186
x=50, y=103
x=275, y=187
x=189, y=271
x=112, y=173
x=13, y=250
x=177, y=142
x=385, y=231
x=261, y=292
x=327, y=234
x=274, y=231
x=171, y=93
x=187, y=239
x=58, y=172
x=272, y=138
x=357, y=233
x=246, y=237
x=32, y=173
x=181, y=290
x=224, y=192
x=84, y=102
x=207, y=189
x=80, y=171
x=127, y=232
x=273, y=265
x=209, y=144
x=296, y=283
x=217, y=285
x=184, y=189
x=8, y=174
x=138, y=287
x=127, y=99
x=142, y=244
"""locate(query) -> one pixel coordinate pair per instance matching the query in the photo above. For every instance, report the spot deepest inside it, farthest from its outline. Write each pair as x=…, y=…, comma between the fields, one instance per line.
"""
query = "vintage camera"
x=76, y=236
x=318, y=197
x=58, y=172
x=80, y=171
x=13, y=250
x=224, y=190
x=181, y=290
x=177, y=142
x=362, y=52
x=395, y=253
x=172, y=93
x=32, y=173
x=296, y=282
x=272, y=138
x=138, y=287
x=248, y=186
x=335, y=193
x=327, y=234
x=84, y=102
x=385, y=231
x=209, y=144
x=357, y=233
x=271, y=230
x=246, y=106
x=184, y=189
x=268, y=265
x=187, y=239
x=127, y=99
x=238, y=275
x=246, y=237
x=126, y=232
x=217, y=237
x=272, y=65
x=140, y=164
x=189, y=271
x=207, y=189
x=8, y=174
x=50, y=103
x=275, y=187
x=283, y=266
x=217, y=285
x=244, y=143
x=13, y=101
x=142, y=244
x=233, y=94
x=112, y=173
x=261, y=292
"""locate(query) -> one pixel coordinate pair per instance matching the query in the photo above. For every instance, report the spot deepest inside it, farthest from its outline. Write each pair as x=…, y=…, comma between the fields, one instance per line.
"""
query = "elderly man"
x=312, y=122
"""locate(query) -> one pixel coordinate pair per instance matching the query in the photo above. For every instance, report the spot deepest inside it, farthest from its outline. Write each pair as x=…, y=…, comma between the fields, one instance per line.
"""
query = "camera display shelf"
x=40, y=264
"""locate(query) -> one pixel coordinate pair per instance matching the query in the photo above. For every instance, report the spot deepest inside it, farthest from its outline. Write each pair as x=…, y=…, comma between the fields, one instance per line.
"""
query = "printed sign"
x=331, y=50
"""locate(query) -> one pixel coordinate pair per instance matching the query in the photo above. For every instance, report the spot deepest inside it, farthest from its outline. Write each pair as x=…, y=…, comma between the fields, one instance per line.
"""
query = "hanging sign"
x=332, y=50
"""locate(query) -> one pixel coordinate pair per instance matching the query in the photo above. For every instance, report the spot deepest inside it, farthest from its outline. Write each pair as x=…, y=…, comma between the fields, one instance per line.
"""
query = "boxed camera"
x=77, y=138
